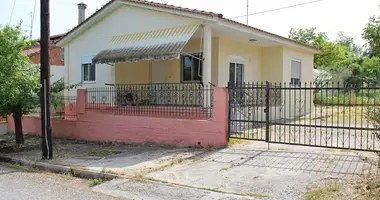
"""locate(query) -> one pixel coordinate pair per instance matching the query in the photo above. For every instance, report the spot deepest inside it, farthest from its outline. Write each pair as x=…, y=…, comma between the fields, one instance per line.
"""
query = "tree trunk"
x=18, y=128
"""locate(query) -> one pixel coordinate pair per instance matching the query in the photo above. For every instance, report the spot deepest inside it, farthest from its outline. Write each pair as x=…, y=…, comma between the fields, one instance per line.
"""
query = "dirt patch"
x=115, y=158
x=103, y=153
x=8, y=143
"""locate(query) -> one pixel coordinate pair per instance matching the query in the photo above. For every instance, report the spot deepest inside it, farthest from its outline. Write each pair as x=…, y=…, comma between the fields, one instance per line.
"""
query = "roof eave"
x=115, y=4
x=270, y=36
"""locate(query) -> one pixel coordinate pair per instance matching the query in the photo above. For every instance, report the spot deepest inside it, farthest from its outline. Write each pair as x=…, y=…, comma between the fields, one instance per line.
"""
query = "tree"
x=333, y=53
x=371, y=34
x=355, y=50
x=307, y=35
x=19, y=80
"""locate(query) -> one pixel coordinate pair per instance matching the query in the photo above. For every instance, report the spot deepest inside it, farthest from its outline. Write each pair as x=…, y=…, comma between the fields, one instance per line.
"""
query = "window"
x=88, y=72
x=236, y=73
x=295, y=78
x=237, y=78
x=191, y=67
x=62, y=54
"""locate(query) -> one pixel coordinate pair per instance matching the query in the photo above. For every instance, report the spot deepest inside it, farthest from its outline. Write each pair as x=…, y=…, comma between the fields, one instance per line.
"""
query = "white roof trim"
x=88, y=23
x=115, y=5
x=167, y=10
x=274, y=38
x=219, y=21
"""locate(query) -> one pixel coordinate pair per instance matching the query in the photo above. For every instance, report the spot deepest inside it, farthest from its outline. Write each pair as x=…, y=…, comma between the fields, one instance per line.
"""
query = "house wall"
x=272, y=64
x=95, y=39
x=298, y=102
x=132, y=73
x=307, y=64
x=55, y=57
x=252, y=60
x=57, y=73
x=100, y=127
x=141, y=72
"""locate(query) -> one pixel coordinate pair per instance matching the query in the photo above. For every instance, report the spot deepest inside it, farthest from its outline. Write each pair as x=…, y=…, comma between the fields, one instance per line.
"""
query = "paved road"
x=19, y=184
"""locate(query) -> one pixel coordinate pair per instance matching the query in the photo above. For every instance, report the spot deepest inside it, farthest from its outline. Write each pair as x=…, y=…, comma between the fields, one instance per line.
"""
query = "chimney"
x=81, y=12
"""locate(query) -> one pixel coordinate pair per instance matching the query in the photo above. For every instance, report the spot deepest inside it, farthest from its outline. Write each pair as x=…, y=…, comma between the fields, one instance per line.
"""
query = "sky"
x=330, y=16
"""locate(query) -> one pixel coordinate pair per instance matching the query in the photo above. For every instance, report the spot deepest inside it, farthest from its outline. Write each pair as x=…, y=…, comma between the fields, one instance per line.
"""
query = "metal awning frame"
x=164, y=44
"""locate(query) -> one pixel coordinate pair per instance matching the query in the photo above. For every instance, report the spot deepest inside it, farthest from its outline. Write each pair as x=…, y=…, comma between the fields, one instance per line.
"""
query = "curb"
x=58, y=169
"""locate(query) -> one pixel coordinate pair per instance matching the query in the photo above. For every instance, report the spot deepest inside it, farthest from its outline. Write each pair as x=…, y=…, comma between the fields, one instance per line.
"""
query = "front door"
x=159, y=71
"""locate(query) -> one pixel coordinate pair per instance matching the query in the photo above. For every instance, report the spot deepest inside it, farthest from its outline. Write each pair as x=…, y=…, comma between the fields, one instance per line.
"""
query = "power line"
x=276, y=9
x=13, y=10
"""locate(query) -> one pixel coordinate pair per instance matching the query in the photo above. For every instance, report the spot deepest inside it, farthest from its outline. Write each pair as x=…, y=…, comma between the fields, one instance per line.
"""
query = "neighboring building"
x=140, y=42
x=56, y=57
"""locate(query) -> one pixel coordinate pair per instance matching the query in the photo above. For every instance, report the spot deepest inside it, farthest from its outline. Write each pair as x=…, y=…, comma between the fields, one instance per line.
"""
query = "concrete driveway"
x=245, y=170
x=278, y=173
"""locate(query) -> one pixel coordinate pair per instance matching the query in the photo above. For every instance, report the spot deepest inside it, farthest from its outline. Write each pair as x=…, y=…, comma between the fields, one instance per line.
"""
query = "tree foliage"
x=343, y=54
x=331, y=52
x=371, y=34
x=19, y=80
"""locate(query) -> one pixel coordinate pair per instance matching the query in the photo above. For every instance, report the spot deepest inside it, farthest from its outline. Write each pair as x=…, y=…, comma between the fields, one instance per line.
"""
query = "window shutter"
x=296, y=69
x=82, y=73
x=62, y=54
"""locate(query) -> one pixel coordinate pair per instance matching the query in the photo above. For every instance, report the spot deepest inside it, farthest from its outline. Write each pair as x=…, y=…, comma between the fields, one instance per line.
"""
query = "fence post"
x=267, y=111
x=81, y=101
x=229, y=90
x=220, y=111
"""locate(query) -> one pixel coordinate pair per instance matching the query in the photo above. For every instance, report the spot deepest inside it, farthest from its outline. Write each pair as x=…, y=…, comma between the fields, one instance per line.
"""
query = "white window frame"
x=87, y=59
x=300, y=71
x=200, y=69
x=237, y=60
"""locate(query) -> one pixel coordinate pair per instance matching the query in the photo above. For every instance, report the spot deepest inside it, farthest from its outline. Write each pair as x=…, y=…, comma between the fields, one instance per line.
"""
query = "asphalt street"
x=21, y=184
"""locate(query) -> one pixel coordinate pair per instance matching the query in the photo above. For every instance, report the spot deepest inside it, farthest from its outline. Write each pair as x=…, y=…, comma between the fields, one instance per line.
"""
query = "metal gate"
x=330, y=115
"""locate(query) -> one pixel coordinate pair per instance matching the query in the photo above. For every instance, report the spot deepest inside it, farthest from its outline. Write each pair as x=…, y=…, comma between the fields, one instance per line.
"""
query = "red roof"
x=36, y=48
x=188, y=10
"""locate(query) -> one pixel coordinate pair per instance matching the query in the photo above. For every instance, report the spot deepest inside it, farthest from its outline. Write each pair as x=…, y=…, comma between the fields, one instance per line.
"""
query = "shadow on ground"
x=277, y=174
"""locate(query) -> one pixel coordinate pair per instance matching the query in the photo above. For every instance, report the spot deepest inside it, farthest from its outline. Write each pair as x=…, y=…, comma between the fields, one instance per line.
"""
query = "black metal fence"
x=184, y=100
x=62, y=107
x=332, y=115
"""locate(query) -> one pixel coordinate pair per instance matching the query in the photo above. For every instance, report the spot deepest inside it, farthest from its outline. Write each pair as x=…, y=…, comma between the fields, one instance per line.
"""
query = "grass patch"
x=322, y=193
x=360, y=98
x=66, y=177
x=96, y=181
x=283, y=149
x=236, y=142
x=102, y=153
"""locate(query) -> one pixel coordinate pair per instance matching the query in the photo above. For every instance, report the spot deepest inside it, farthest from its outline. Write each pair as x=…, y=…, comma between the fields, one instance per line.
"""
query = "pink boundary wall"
x=105, y=127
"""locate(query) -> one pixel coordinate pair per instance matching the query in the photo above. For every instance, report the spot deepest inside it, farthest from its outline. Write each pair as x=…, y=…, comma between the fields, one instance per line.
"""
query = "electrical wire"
x=276, y=9
x=13, y=10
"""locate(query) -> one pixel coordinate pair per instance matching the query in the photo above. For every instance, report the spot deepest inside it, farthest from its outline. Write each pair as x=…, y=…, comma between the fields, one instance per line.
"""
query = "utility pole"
x=47, y=147
x=247, y=10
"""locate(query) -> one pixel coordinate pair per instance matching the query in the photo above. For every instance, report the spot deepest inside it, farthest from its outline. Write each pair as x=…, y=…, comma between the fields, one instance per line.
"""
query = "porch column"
x=206, y=73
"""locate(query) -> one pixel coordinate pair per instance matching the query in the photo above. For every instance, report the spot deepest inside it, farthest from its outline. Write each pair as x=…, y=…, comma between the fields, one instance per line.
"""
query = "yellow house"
x=139, y=42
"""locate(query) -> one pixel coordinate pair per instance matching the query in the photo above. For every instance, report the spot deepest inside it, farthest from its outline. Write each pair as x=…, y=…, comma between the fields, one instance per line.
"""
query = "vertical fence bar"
x=267, y=125
x=230, y=90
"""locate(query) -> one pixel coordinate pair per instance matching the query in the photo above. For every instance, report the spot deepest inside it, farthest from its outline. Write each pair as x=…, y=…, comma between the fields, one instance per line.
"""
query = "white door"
x=158, y=71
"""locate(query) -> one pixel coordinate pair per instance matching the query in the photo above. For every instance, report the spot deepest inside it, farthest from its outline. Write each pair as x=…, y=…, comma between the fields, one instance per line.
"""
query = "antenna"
x=31, y=25
x=247, y=10
x=32, y=20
